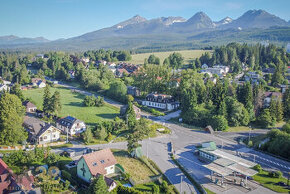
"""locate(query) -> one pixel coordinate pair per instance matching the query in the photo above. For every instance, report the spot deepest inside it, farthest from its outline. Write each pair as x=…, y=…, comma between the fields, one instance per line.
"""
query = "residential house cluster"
x=41, y=132
x=11, y=183
x=219, y=70
x=252, y=77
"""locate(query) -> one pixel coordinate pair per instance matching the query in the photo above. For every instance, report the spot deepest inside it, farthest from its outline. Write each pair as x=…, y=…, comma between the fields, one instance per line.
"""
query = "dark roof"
x=35, y=126
x=161, y=98
x=68, y=121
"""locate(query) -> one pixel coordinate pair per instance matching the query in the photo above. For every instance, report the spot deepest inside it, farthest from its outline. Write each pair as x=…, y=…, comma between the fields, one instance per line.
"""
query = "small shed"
x=209, y=129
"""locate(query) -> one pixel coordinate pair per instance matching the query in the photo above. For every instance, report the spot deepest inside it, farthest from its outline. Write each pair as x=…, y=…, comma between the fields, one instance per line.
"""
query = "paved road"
x=184, y=139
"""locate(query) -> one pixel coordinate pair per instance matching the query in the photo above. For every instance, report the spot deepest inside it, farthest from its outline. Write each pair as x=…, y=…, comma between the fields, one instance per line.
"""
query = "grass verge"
x=270, y=182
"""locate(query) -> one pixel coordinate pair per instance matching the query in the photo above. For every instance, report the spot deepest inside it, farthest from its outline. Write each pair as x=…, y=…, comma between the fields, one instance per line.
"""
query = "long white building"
x=160, y=101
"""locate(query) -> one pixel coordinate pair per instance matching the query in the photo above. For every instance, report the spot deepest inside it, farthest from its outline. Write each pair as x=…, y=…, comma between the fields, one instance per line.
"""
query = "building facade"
x=160, y=101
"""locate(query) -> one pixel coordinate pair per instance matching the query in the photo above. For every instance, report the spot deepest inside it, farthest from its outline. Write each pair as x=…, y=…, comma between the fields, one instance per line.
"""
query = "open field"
x=187, y=54
x=72, y=104
x=270, y=182
x=139, y=172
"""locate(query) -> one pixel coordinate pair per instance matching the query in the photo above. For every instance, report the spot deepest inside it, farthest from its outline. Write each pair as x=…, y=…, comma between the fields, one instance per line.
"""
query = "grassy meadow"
x=72, y=105
x=187, y=54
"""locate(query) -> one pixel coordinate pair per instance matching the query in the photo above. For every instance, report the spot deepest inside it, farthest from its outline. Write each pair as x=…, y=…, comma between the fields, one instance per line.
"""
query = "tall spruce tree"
x=98, y=186
x=130, y=116
x=286, y=104
x=55, y=106
x=47, y=100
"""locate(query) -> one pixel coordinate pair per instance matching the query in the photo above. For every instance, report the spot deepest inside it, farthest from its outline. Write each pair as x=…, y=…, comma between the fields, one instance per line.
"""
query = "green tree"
x=286, y=128
x=15, y=89
x=87, y=136
x=11, y=120
x=175, y=60
x=101, y=133
x=55, y=103
x=118, y=91
x=98, y=186
x=47, y=99
x=265, y=119
x=219, y=123
x=130, y=116
x=286, y=103
x=155, y=189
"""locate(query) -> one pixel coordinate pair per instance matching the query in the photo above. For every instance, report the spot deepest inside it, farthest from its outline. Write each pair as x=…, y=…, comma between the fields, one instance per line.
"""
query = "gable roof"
x=3, y=167
x=99, y=160
x=28, y=104
x=36, y=126
x=68, y=121
x=274, y=94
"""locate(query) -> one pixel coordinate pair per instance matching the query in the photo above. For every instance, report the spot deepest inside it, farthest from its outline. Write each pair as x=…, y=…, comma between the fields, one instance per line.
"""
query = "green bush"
x=258, y=168
x=275, y=174
x=66, y=175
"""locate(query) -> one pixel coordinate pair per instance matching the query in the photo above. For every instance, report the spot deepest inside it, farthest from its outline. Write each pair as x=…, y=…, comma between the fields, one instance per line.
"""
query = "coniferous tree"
x=47, y=99
x=55, y=103
x=15, y=89
x=98, y=186
x=130, y=116
x=286, y=103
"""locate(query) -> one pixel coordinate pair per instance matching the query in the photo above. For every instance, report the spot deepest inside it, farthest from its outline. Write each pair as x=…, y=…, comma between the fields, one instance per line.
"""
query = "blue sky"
x=55, y=19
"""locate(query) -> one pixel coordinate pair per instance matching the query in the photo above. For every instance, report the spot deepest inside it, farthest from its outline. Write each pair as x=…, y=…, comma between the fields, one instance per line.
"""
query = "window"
x=54, y=136
x=44, y=137
x=112, y=167
x=102, y=161
x=94, y=164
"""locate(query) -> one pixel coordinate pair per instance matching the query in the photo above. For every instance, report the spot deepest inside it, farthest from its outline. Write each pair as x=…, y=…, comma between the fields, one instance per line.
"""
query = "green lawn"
x=72, y=105
x=269, y=182
x=139, y=171
x=187, y=54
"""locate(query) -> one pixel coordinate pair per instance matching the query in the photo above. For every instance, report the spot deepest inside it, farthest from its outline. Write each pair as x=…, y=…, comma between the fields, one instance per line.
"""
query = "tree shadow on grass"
x=107, y=116
x=78, y=104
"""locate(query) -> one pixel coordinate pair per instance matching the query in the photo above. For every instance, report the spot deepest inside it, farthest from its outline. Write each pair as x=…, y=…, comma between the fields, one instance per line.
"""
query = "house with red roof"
x=11, y=183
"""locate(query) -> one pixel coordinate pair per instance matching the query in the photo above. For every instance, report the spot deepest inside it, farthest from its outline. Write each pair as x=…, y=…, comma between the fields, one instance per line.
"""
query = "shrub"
x=219, y=123
x=275, y=174
x=258, y=168
x=66, y=175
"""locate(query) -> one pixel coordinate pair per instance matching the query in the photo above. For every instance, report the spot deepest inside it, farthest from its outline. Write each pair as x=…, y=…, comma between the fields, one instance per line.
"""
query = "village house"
x=40, y=132
x=97, y=163
x=3, y=87
x=134, y=91
x=38, y=82
x=71, y=74
x=160, y=101
x=85, y=60
x=70, y=125
x=254, y=77
x=217, y=69
x=268, y=97
x=10, y=183
x=121, y=72
x=31, y=108
x=136, y=110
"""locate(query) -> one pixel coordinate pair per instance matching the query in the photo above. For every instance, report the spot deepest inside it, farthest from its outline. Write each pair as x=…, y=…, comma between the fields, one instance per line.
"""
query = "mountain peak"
x=134, y=20
x=200, y=20
x=258, y=19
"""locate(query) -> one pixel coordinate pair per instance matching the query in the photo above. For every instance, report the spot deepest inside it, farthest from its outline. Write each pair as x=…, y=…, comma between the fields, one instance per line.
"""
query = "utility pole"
x=180, y=183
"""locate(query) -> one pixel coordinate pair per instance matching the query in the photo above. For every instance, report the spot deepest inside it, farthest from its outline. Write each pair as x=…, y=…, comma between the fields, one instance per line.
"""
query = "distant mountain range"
x=168, y=32
x=15, y=40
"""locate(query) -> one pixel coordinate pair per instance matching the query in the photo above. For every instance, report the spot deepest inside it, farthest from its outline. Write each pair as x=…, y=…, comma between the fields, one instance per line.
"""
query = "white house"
x=40, y=132
x=160, y=101
x=97, y=163
x=70, y=125
x=269, y=95
x=3, y=87
x=38, y=82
